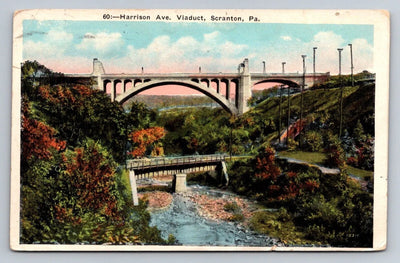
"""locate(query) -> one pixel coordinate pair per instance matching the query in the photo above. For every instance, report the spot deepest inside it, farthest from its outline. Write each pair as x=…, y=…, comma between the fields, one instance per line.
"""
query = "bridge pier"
x=132, y=180
x=180, y=183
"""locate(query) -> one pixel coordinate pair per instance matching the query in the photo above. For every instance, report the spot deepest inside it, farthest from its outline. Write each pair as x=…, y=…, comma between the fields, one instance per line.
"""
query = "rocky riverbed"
x=198, y=218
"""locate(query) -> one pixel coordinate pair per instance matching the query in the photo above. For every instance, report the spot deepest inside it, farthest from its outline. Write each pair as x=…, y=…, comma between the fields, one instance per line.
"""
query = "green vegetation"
x=72, y=189
x=319, y=209
x=165, y=101
x=310, y=157
x=74, y=141
x=366, y=175
x=234, y=208
x=279, y=225
x=319, y=159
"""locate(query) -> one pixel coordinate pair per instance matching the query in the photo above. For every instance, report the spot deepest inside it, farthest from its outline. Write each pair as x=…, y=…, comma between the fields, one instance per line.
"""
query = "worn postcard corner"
x=199, y=130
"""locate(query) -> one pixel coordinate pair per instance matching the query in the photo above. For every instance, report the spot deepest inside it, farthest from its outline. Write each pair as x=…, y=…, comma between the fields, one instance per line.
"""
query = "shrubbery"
x=72, y=190
x=313, y=141
x=325, y=208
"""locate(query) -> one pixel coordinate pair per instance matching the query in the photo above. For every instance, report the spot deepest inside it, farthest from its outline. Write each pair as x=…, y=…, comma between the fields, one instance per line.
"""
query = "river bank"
x=200, y=217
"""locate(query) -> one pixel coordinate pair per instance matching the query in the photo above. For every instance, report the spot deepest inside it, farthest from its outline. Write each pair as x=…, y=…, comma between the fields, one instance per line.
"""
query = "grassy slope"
x=318, y=158
x=358, y=103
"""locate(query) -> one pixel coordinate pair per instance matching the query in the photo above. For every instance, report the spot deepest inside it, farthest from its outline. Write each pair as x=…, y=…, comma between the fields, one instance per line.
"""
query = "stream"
x=182, y=220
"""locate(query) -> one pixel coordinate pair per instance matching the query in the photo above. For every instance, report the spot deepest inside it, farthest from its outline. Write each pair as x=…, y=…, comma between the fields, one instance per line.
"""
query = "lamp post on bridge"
x=341, y=92
x=264, y=67
x=283, y=67
x=314, y=49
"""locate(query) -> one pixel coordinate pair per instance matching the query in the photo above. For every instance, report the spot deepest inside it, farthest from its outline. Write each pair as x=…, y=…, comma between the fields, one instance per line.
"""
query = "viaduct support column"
x=132, y=180
x=113, y=90
x=244, y=88
x=228, y=89
x=98, y=70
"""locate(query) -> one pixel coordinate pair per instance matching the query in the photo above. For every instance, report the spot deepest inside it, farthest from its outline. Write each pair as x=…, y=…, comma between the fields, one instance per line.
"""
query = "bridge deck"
x=173, y=162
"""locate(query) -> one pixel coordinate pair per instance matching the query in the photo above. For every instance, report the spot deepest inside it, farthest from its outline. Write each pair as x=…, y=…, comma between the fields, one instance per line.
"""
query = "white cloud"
x=102, y=42
x=186, y=54
x=212, y=52
x=286, y=38
x=54, y=44
x=327, y=56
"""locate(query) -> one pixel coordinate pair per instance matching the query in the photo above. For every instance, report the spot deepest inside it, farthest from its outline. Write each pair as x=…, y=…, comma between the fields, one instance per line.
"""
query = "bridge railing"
x=145, y=163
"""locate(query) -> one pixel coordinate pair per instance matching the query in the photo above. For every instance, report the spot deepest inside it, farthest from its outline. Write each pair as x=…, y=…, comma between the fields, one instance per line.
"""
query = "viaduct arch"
x=220, y=99
x=226, y=84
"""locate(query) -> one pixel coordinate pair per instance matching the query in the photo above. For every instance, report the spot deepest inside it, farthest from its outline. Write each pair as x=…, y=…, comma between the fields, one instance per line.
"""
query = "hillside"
x=358, y=104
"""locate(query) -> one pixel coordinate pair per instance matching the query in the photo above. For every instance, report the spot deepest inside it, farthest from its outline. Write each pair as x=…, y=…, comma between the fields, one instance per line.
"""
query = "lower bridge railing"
x=148, y=167
x=178, y=166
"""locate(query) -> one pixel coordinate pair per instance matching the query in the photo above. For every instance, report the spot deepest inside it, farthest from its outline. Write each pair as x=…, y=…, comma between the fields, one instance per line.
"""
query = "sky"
x=161, y=47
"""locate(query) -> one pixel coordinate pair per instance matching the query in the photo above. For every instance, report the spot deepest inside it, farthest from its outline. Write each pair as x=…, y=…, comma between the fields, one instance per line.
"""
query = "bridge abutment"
x=180, y=183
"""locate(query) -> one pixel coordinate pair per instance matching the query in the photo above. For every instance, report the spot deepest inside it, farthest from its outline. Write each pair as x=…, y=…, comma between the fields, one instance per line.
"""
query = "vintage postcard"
x=200, y=130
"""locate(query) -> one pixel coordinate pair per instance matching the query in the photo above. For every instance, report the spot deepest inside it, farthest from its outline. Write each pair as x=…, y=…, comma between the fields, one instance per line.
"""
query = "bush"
x=292, y=144
x=234, y=208
x=313, y=141
x=335, y=153
x=231, y=207
x=237, y=217
x=263, y=222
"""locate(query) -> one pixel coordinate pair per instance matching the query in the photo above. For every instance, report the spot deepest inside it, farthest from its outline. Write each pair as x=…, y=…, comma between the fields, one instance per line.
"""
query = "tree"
x=265, y=165
x=146, y=138
x=79, y=112
x=38, y=139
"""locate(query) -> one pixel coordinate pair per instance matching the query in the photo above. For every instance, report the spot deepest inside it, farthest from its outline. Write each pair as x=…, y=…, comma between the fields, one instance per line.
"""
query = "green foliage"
x=86, y=202
x=140, y=117
x=262, y=223
x=202, y=131
x=231, y=207
x=234, y=208
x=313, y=208
x=80, y=195
x=236, y=217
x=358, y=131
x=79, y=112
x=261, y=95
x=335, y=154
x=313, y=141
x=276, y=225
x=292, y=144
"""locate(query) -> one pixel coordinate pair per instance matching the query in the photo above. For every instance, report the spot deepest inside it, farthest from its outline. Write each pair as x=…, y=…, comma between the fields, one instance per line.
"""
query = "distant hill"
x=164, y=101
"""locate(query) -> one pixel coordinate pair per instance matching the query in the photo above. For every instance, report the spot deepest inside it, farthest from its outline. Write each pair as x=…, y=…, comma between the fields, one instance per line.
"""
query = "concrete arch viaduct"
x=230, y=90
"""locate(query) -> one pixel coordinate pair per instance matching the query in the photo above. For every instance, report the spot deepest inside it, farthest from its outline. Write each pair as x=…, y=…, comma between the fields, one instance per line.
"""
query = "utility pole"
x=341, y=91
x=280, y=114
x=264, y=67
x=314, y=49
x=283, y=67
x=301, y=99
x=351, y=67
x=288, y=117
